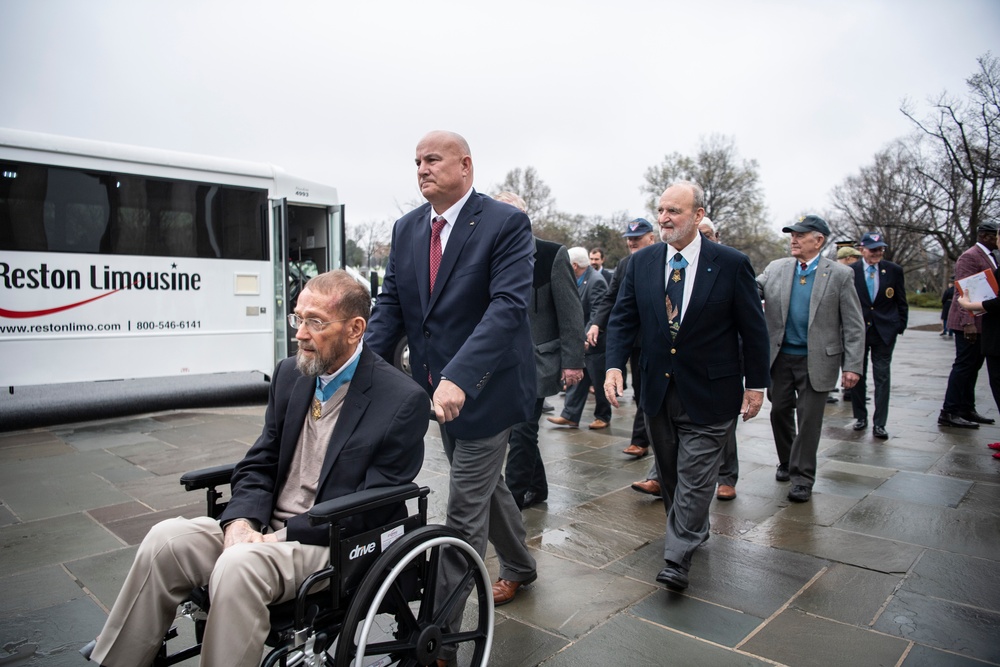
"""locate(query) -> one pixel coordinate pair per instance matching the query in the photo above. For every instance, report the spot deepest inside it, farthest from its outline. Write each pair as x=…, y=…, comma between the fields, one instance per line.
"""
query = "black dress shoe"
x=800, y=494
x=781, y=474
x=831, y=399
x=533, y=498
x=879, y=432
x=861, y=425
x=674, y=576
x=547, y=408
x=978, y=418
x=948, y=419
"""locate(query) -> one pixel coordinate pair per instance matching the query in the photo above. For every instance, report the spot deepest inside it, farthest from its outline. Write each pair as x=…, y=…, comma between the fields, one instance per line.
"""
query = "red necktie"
x=803, y=265
x=437, y=224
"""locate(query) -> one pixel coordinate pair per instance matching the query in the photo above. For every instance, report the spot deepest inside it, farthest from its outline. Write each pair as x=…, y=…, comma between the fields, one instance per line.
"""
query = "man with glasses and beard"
x=339, y=420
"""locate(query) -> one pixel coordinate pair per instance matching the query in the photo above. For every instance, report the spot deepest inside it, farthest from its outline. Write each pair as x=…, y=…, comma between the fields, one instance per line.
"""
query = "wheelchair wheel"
x=418, y=618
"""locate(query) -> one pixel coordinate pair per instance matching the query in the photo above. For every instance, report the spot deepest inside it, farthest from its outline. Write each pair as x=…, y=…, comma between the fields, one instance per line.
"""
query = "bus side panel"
x=74, y=317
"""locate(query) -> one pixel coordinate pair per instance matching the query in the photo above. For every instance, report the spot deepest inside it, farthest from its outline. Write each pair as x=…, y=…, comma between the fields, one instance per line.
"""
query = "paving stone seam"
x=731, y=649
x=783, y=607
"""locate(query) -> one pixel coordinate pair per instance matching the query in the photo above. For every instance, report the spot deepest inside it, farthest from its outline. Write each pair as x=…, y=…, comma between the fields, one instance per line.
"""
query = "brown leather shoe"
x=505, y=589
x=598, y=424
x=562, y=421
x=725, y=492
x=650, y=486
x=636, y=451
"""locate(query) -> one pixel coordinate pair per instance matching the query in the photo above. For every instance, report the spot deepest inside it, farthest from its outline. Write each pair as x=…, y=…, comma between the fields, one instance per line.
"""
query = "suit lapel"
x=821, y=280
x=298, y=405
x=463, y=228
x=651, y=271
x=785, y=276
x=861, y=283
x=422, y=253
x=355, y=403
x=708, y=270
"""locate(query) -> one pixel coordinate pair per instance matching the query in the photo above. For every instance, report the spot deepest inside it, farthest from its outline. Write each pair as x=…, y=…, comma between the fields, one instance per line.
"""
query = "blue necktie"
x=871, y=282
x=675, y=293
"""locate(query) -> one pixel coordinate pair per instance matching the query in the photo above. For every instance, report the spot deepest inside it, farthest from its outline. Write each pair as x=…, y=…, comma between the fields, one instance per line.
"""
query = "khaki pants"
x=179, y=555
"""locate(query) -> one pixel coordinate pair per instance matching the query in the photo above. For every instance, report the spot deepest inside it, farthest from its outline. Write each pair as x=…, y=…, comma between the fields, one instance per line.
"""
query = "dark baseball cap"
x=990, y=226
x=809, y=223
x=872, y=240
x=638, y=227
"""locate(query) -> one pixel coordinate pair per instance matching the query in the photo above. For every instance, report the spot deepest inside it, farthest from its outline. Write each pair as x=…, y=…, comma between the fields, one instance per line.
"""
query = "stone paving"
x=893, y=562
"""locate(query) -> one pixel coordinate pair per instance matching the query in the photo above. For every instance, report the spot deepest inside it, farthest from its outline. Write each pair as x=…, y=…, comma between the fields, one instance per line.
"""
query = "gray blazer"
x=592, y=290
x=555, y=313
x=836, y=327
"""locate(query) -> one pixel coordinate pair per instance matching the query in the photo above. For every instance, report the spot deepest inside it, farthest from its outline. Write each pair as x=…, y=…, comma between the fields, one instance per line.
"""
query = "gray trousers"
x=795, y=403
x=729, y=466
x=688, y=456
x=178, y=555
x=481, y=507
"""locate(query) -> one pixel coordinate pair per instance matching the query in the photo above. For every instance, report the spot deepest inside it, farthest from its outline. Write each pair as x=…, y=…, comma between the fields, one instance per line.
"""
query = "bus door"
x=309, y=240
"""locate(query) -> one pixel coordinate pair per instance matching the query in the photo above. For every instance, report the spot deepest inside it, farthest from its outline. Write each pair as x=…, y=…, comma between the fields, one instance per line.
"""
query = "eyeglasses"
x=313, y=324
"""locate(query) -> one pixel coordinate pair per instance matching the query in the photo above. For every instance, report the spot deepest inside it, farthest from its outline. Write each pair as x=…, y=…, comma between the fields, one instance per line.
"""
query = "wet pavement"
x=893, y=562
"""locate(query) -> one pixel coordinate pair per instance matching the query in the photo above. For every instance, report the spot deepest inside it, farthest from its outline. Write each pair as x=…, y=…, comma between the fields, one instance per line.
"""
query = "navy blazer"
x=474, y=329
x=889, y=314
x=378, y=441
x=704, y=360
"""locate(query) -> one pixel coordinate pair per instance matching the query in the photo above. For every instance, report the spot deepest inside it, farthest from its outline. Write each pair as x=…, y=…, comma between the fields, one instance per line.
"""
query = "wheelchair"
x=374, y=605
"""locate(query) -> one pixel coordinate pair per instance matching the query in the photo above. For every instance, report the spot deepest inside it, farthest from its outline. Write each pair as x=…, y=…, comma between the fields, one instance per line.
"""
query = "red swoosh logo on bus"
x=17, y=314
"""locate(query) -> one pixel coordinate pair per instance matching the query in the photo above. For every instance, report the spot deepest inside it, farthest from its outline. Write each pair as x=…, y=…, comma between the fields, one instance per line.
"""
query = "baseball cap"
x=990, y=226
x=809, y=223
x=637, y=227
x=872, y=240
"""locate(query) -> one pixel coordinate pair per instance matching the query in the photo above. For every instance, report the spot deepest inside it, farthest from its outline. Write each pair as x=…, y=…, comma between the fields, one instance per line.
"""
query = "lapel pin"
x=709, y=269
x=471, y=222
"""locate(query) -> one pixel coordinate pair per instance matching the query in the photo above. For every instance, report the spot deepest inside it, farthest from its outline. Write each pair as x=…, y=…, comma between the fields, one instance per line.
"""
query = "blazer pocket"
x=717, y=371
x=834, y=350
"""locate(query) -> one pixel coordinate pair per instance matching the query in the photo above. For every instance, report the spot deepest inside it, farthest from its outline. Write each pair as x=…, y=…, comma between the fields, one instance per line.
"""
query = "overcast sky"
x=590, y=93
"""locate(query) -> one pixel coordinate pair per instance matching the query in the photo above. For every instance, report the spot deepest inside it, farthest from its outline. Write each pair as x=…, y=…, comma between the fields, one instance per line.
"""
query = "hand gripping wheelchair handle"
x=331, y=511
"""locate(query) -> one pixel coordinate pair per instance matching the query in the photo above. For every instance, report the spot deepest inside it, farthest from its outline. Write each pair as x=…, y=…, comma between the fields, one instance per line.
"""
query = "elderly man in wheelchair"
x=315, y=541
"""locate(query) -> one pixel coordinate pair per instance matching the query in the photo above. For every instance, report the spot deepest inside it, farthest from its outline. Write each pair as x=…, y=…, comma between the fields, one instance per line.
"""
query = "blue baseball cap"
x=872, y=240
x=637, y=227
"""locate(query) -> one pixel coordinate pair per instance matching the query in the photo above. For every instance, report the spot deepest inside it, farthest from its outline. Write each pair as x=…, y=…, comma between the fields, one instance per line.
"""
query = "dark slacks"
x=795, y=403
x=881, y=355
x=576, y=396
x=639, y=436
x=993, y=368
x=525, y=471
x=687, y=455
x=960, y=396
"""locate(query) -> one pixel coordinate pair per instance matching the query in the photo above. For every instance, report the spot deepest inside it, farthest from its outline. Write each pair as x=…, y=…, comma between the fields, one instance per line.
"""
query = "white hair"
x=579, y=256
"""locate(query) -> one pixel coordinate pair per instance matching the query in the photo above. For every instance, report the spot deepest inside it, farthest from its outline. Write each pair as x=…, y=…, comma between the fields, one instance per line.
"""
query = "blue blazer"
x=704, y=360
x=474, y=329
x=889, y=313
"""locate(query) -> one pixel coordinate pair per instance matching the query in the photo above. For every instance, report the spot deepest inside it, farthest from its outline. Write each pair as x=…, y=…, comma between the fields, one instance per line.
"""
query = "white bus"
x=124, y=262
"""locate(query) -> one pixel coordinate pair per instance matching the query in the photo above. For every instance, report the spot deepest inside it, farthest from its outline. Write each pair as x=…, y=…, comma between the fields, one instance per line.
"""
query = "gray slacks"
x=178, y=555
x=688, y=457
x=795, y=403
x=481, y=508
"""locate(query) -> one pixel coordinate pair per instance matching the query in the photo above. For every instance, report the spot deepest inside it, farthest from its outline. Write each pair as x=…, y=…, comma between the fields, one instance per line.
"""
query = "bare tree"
x=537, y=196
x=962, y=171
x=373, y=238
x=733, y=197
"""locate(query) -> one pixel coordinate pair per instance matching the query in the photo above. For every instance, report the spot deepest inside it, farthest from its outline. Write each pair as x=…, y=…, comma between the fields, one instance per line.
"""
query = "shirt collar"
x=451, y=215
x=690, y=252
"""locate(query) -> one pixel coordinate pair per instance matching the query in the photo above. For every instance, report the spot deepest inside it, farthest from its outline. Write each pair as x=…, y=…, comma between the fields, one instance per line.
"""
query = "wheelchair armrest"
x=363, y=501
x=207, y=477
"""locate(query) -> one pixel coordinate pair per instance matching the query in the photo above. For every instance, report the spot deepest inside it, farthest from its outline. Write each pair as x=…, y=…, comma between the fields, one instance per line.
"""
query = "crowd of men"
x=496, y=321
